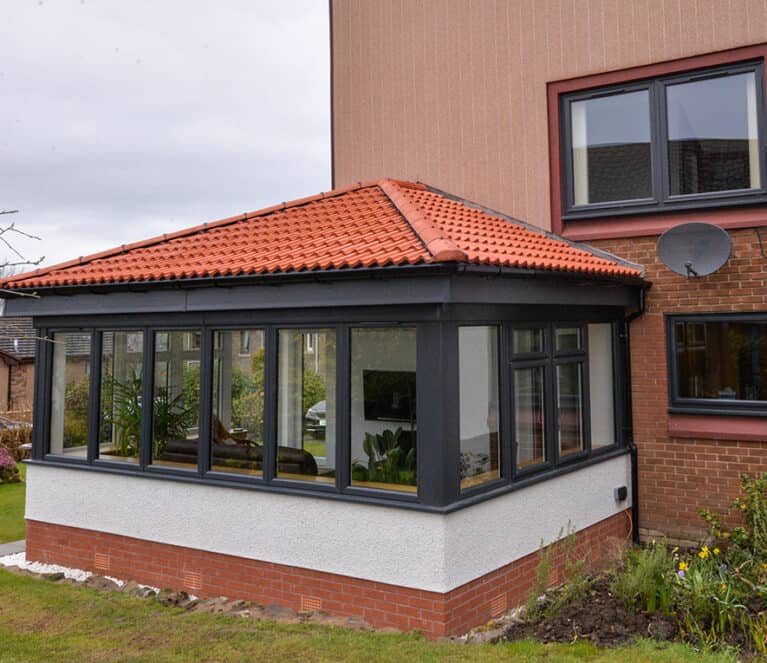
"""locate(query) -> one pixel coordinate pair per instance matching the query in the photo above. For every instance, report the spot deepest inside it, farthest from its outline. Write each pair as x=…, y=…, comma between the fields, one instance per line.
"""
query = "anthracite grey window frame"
x=660, y=200
x=707, y=406
x=438, y=394
x=549, y=359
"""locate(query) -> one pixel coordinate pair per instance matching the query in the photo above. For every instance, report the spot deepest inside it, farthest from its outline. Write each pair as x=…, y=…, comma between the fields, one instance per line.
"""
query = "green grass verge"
x=45, y=621
x=12, y=527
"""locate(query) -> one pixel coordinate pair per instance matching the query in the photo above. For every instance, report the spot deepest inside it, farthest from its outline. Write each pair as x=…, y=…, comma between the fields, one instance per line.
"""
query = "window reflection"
x=176, y=398
x=570, y=408
x=478, y=371
x=713, y=135
x=70, y=391
x=383, y=408
x=306, y=421
x=529, y=427
x=722, y=360
x=611, y=148
x=237, y=425
x=120, y=396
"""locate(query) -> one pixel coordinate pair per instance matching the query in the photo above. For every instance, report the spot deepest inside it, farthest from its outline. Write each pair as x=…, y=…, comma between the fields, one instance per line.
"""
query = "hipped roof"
x=379, y=224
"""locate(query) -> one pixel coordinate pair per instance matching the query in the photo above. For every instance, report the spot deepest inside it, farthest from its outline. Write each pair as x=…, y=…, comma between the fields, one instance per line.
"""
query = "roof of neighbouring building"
x=17, y=337
x=378, y=224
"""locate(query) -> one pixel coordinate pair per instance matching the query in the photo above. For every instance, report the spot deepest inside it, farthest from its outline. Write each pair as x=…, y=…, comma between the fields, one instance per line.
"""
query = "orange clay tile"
x=373, y=225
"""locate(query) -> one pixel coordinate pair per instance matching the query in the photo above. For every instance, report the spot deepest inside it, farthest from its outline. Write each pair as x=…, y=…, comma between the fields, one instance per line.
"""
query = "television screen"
x=389, y=395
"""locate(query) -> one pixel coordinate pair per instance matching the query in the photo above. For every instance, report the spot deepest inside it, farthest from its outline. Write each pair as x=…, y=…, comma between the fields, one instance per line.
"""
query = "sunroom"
x=383, y=383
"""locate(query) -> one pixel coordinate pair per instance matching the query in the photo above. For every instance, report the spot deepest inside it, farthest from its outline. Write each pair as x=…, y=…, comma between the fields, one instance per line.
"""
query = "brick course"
x=210, y=574
x=677, y=476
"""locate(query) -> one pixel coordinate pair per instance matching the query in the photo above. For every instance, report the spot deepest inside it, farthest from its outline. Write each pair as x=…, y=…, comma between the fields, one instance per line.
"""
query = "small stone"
x=54, y=577
x=280, y=613
x=101, y=583
x=486, y=636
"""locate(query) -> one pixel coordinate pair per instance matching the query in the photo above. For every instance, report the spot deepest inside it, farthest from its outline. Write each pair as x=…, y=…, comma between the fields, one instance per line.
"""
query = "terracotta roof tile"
x=378, y=224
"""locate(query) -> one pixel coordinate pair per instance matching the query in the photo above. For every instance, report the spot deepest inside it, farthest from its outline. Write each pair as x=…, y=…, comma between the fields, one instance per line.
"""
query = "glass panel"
x=722, y=360
x=237, y=426
x=69, y=394
x=176, y=402
x=569, y=408
x=611, y=148
x=120, y=397
x=713, y=138
x=478, y=366
x=527, y=341
x=601, y=388
x=529, y=425
x=383, y=408
x=306, y=405
x=568, y=338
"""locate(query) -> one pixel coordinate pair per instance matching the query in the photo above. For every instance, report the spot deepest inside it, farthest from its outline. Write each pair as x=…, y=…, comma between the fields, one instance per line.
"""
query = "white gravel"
x=78, y=575
x=20, y=560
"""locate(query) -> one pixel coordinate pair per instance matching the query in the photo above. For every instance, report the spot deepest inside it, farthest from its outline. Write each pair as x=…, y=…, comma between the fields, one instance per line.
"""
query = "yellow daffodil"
x=722, y=586
x=716, y=551
x=703, y=552
x=742, y=506
x=725, y=535
x=683, y=566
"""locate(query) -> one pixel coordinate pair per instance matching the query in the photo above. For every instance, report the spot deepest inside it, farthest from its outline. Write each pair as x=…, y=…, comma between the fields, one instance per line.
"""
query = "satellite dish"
x=694, y=249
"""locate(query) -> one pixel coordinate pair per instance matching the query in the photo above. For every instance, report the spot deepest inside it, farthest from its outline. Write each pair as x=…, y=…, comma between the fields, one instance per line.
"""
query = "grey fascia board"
x=472, y=286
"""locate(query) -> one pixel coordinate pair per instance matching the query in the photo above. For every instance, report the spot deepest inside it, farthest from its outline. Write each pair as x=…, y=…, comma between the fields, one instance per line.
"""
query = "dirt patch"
x=599, y=617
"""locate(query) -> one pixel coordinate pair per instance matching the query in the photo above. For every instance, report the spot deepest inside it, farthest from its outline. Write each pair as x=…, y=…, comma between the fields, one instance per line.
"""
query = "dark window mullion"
x=585, y=393
x=206, y=400
x=147, y=390
x=659, y=119
x=94, y=393
x=42, y=389
x=343, y=408
x=269, y=450
x=761, y=123
x=506, y=417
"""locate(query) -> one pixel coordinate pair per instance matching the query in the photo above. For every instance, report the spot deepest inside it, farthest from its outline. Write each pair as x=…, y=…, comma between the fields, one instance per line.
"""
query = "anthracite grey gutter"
x=330, y=275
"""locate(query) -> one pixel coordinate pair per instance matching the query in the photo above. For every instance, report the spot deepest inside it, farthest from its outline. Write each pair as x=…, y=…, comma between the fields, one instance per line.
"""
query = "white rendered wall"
x=408, y=548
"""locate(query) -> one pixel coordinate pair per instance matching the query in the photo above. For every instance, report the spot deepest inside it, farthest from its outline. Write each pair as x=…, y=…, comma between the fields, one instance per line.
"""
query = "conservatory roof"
x=380, y=224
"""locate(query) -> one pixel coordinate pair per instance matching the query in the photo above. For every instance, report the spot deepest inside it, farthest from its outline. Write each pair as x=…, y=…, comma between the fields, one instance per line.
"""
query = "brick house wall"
x=680, y=474
x=22, y=386
x=209, y=574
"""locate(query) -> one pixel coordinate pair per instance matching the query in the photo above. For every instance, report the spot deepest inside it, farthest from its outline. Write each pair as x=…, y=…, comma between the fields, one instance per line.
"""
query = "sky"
x=125, y=119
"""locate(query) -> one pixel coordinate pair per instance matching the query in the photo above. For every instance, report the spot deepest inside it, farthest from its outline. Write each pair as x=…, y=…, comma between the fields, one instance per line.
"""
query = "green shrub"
x=12, y=439
x=575, y=581
x=9, y=473
x=646, y=581
x=248, y=412
x=76, y=412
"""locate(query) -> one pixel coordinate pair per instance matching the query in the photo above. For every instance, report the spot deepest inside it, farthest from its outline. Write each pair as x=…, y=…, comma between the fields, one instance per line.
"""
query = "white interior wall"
x=378, y=350
x=478, y=374
x=432, y=552
x=601, y=395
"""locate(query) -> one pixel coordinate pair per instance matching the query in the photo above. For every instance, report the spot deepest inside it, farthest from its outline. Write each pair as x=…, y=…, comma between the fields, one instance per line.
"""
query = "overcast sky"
x=123, y=119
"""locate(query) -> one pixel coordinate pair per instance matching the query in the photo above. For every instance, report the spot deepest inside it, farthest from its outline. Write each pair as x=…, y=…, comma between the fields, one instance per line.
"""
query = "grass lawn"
x=45, y=621
x=12, y=526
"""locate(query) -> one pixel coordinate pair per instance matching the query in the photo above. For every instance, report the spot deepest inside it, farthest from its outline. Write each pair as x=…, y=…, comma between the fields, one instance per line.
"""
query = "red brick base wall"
x=211, y=574
x=680, y=474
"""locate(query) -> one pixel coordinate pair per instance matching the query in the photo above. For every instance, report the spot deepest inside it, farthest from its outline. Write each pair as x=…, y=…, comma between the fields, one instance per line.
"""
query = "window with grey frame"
x=718, y=364
x=674, y=142
x=563, y=393
x=215, y=415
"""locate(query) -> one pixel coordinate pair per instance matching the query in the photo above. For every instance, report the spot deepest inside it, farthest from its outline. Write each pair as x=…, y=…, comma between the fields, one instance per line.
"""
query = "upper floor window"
x=674, y=142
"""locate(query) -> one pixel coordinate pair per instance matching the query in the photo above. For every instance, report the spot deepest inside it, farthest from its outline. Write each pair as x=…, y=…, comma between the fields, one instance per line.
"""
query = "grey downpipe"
x=629, y=414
